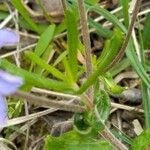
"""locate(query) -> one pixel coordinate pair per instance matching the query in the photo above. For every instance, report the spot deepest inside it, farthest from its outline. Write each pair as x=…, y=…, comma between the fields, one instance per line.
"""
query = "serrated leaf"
x=102, y=105
x=74, y=141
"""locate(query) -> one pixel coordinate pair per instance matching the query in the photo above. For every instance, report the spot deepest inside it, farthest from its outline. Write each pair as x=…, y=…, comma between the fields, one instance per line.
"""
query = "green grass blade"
x=32, y=78
x=137, y=65
x=146, y=33
x=119, y=67
x=52, y=70
x=72, y=41
x=125, y=7
x=44, y=40
x=69, y=77
x=60, y=58
x=104, y=32
x=144, y=87
x=146, y=104
x=108, y=16
x=48, y=54
x=19, y=6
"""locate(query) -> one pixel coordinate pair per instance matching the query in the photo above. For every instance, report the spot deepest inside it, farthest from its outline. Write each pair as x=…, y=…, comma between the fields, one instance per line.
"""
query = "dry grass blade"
x=45, y=102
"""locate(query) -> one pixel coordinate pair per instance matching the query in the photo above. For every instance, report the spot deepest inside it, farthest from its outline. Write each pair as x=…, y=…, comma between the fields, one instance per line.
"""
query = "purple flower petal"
x=8, y=37
x=9, y=83
x=3, y=111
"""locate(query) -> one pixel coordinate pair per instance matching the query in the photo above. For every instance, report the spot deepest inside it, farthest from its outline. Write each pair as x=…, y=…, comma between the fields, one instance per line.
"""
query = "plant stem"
x=87, y=43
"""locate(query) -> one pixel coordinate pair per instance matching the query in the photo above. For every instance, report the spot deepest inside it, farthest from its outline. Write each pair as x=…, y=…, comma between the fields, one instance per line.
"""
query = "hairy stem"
x=87, y=43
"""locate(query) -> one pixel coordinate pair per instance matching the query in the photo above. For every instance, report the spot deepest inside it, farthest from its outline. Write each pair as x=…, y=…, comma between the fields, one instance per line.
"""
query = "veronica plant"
x=8, y=83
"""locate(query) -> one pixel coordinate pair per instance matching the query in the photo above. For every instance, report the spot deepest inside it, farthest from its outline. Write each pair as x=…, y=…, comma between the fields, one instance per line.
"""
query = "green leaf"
x=137, y=65
x=125, y=7
x=102, y=105
x=74, y=141
x=123, y=64
x=44, y=40
x=146, y=33
x=55, y=72
x=69, y=78
x=108, y=54
x=142, y=142
x=60, y=58
x=92, y=2
x=81, y=124
x=111, y=86
x=19, y=6
x=32, y=78
x=47, y=55
x=24, y=24
x=104, y=32
x=113, y=19
x=72, y=41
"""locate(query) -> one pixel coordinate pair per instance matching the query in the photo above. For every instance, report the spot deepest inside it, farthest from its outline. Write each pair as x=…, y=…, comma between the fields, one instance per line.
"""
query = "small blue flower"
x=8, y=37
x=8, y=83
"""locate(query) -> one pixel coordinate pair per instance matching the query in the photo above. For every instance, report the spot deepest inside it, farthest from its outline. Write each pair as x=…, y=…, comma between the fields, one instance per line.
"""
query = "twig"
x=41, y=101
x=87, y=42
x=129, y=33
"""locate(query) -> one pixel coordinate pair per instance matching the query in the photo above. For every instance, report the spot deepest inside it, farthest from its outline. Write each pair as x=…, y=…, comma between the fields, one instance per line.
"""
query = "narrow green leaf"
x=72, y=40
x=44, y=40
x=19, y=6
x=144, y=87
x=146, y=33
x=104, y=32
x=32, y=78
x=137, y=65
x=122, y=136
x=146, y=104
x=119, y=67
x=125, y=7
x=113, y=19
x=92, y=2
x=48, y=53
x=60, y=58
x=69, y=78
x=52, y=70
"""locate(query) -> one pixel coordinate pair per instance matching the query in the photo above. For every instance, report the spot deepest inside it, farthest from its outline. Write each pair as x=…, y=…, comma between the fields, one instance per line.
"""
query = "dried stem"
x=129, y=33
x=45, y=102
x=87, y=42
x=112, y=139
